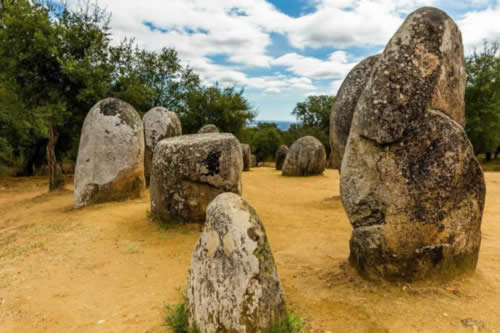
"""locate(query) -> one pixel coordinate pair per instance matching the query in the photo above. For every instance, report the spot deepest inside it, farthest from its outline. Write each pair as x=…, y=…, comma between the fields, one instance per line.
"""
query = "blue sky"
x=282, y=51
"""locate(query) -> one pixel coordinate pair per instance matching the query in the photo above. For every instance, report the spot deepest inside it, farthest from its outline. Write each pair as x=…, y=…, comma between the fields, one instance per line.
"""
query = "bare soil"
x=109, y=268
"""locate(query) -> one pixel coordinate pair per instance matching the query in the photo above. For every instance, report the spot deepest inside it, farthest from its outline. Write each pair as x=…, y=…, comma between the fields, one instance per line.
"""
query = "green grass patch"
x=177, y=319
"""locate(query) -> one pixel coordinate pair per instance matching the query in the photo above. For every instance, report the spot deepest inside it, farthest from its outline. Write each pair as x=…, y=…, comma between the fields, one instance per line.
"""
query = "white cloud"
x=337, y=65
x=343, y=24
x=478, y=26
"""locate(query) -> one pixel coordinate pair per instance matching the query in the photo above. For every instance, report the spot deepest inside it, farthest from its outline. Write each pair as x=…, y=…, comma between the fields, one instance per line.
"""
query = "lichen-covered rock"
x=159, y=123
x=344, y=106
x=209, y=128
x=110, y=163
x=247, y=156
x=410, y=184
x=306, y=157
x=280, y=157
x=253, y=163
x=189, y=171
x=233, y=285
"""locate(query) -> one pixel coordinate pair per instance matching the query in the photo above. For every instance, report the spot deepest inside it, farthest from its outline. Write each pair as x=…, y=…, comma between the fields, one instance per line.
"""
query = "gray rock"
x=344, y=106
x=110, y=163
x=159, y=123
x=253, y=163
x=233, y=285
x=410, y=183
x=333, y=161
x=247, y=156
x=281, y=156
x=189, y=171
x=306, y=157
x=209, y=128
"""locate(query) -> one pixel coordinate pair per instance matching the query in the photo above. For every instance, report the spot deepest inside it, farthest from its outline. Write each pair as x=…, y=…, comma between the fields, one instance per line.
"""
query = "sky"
x=281, y=51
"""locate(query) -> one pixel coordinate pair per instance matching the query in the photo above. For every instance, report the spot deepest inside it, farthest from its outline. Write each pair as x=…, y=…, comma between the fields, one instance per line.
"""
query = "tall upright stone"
x=233, y=284
x=189, y=171
x=280, y=157
x=159, y=123
x=306, y=157
x=344, y=106
x=110, y=163
x=410, y=183
x=247, y=156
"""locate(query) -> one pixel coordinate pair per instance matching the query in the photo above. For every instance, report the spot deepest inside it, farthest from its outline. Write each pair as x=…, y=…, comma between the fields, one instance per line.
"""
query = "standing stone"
x=159, y=123
x=233, y=284
x=247, y=156
x=410, y=183
x=253, y=164
x=306, y=157
x=281, y=156
x=189, y=171
x=110, y=163
x=209, y=128
x=344, y=106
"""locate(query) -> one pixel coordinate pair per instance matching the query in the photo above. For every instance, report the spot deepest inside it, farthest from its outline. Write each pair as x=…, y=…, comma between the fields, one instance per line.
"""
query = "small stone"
x=209, y=128
x=281, y=156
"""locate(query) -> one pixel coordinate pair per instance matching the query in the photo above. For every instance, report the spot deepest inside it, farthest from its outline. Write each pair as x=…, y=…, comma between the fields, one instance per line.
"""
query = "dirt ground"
x=109, y=268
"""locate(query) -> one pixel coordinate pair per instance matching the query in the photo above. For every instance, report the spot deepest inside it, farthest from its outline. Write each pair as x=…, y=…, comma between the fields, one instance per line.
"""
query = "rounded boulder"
x=306, y=157
x=110, y=163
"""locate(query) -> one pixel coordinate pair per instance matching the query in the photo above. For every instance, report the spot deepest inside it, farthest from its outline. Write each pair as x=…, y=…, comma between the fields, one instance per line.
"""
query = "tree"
x=314, y=111
x=52, y=61
x=313, y=116
x=226, y=108
x=482, y=99
x=264, y=139
x=148, y=78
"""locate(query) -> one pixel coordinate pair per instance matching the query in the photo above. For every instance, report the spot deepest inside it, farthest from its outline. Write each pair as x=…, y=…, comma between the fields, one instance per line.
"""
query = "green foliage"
x=315, y=111
x=264, y=139
x=177, y=318
x=482, y=98
x=291, y=324
x=226, y=108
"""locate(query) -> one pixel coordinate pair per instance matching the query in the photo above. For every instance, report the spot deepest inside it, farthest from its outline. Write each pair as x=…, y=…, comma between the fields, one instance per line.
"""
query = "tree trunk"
x=55, y=182
x=488, y=156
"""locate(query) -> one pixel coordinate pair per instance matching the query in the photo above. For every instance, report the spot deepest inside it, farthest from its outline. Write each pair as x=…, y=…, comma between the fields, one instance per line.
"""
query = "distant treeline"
x=56, y=62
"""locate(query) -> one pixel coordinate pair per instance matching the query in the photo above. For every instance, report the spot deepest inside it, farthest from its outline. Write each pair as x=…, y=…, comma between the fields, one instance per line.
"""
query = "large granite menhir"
x=410, y=183
x=247, y=156
x=233, y=284
x=344, y=106
x=189, y=171
x=110, y=163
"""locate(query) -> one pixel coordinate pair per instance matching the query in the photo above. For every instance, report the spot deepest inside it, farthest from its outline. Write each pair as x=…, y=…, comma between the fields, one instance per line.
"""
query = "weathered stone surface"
x=333, y=161
x=281, y=156
x=344, y=106
x=247, y=156
x=159, y=123
x=189, y=171
x=306, y=157
x=410, y=183
x=209, y=128
x=253, y=163
x=233, y=285
x=110, y=163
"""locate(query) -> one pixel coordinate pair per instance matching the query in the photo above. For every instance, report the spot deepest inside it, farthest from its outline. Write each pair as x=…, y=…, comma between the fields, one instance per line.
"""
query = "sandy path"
x=110, y=269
